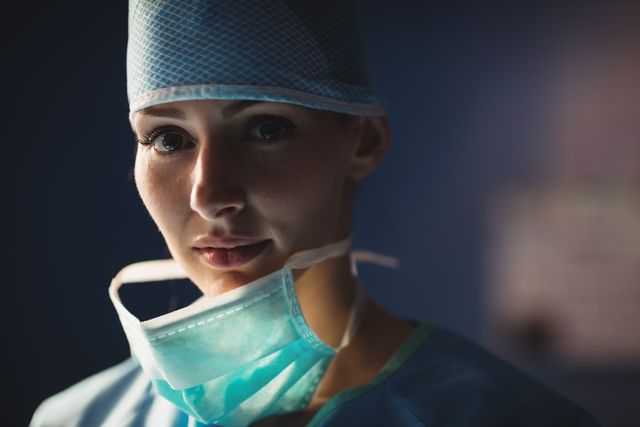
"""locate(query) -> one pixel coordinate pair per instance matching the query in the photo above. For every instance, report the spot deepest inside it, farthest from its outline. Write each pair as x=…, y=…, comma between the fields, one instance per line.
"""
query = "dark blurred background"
x=511, y=191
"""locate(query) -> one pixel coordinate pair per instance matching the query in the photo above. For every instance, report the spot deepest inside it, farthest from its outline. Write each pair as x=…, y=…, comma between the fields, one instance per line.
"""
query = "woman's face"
x=236, y=187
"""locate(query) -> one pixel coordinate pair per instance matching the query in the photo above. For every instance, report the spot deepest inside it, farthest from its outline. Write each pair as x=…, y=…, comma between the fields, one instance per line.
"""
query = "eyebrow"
x=159, y=111
x=236, y=107
x=175, y=113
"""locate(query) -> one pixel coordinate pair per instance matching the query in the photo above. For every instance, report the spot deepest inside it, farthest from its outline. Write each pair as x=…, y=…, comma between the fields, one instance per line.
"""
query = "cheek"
x=163, y=194
x=305, y=199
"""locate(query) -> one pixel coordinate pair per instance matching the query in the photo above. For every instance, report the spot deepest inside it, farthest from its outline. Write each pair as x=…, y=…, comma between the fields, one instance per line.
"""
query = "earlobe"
x=372, y=143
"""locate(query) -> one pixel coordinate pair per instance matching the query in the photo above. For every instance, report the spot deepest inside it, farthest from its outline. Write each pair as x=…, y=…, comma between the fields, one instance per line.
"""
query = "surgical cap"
x=304, y=52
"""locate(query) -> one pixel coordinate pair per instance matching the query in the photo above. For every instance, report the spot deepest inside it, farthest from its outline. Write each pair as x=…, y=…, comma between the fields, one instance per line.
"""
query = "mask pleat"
x=268, y=400
x=187, y=357
x=258, y=381
x=243, y=357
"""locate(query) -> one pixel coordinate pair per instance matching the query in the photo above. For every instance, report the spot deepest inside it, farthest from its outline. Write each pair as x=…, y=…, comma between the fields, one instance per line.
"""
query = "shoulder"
x=95, y=399
x=450, y=380
x=438, y=378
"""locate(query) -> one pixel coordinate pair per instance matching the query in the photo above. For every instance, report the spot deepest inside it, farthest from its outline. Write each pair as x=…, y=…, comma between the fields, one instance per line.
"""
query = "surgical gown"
x=436, y=379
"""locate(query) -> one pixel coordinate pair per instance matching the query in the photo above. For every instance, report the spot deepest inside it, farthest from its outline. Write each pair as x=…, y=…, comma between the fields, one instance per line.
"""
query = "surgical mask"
x=237, y=357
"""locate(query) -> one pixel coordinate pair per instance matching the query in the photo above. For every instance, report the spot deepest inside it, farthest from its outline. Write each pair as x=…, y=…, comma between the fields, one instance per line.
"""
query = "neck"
x=327, y=292
x=380, y=334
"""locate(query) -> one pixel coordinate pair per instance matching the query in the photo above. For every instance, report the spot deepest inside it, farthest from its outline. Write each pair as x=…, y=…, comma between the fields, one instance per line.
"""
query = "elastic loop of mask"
x=307, y=258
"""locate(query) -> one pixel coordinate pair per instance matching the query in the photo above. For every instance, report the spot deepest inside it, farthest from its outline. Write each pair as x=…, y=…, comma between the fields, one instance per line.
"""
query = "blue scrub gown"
x=435, y=379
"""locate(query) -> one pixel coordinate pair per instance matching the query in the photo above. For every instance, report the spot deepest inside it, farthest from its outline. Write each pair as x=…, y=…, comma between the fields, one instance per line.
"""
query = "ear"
x=372, y=140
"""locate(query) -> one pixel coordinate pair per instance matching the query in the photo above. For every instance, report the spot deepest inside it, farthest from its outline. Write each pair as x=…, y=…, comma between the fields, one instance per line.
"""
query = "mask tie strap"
x=355, y=315
x=370, y=257
x=139, y=272
x=354, y=320
x=309, y=257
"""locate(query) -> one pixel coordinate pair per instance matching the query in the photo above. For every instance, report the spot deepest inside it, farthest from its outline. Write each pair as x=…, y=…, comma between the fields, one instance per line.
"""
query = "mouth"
x=231, y=253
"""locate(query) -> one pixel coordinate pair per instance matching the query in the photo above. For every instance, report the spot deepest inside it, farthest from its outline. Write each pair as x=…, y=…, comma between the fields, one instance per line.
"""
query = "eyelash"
x=149, y=138
x=285, y=128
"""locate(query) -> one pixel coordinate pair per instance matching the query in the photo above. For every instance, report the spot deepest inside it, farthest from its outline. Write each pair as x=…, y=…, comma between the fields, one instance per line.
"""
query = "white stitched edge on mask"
x=218, y=316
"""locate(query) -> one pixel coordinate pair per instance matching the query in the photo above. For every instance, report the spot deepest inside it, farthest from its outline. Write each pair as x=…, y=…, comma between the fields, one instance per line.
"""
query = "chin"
x=223, y=282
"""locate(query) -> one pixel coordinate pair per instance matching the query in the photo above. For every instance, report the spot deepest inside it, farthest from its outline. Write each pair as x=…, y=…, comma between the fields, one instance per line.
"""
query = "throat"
x=379, y=336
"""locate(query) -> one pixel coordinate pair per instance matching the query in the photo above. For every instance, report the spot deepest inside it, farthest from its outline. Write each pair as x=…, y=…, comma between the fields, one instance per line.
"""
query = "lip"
x=229, y=252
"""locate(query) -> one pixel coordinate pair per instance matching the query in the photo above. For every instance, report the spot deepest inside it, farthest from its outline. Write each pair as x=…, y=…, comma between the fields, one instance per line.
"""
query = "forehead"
x=221, y=110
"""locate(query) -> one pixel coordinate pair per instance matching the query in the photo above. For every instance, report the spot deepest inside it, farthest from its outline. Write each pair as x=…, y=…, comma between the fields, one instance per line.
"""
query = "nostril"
x=227, y=211
x=216, y=205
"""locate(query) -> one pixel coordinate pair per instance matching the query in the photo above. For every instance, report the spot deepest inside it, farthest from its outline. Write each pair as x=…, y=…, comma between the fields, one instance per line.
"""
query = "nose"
x=214, y=194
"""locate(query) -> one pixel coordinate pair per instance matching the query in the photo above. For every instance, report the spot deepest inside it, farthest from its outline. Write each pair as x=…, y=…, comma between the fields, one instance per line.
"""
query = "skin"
x=292, y=189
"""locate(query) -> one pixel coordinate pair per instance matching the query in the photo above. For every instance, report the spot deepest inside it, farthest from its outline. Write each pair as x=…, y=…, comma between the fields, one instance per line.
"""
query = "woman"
x=254, y=123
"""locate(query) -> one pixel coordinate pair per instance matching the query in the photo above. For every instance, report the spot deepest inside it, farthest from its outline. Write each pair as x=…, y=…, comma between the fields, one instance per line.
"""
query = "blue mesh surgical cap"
x=304, y=52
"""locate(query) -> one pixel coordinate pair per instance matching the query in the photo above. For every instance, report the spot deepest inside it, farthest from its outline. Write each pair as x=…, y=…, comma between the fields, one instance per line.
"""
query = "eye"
x=166, y=140
x=270, y=128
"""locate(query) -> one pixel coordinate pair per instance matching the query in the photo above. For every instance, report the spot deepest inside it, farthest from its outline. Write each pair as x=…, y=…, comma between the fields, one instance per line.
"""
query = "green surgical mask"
x=238, y=357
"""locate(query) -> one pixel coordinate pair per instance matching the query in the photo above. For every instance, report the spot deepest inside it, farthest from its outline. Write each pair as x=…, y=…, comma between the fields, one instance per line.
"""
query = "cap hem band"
x=252, y=93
